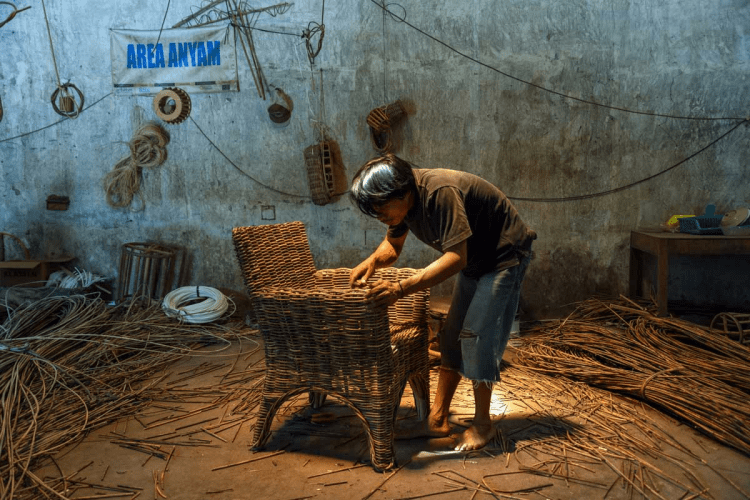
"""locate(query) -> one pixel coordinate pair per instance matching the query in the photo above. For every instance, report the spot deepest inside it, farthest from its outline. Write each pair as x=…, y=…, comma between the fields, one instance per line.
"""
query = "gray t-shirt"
x=452, y=206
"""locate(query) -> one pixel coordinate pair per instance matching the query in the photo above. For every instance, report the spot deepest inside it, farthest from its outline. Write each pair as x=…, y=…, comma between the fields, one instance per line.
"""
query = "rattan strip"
x=673, y=364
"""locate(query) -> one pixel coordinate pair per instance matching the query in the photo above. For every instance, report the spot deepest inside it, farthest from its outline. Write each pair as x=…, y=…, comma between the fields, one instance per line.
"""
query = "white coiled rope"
x=212, y=307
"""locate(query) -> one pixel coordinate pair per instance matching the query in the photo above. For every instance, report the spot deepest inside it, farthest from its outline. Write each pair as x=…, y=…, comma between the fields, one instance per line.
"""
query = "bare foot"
x=475, y=437
x=423, y=428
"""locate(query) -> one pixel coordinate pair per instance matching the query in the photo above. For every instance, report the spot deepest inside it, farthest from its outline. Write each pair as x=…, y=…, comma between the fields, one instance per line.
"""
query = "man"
x=483, y=240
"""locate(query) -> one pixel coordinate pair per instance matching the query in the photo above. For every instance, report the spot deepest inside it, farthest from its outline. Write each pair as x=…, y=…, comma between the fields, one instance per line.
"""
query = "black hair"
x=381, y=180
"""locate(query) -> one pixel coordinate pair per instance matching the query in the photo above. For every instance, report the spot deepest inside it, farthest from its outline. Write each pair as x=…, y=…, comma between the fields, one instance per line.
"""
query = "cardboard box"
x=29, y=272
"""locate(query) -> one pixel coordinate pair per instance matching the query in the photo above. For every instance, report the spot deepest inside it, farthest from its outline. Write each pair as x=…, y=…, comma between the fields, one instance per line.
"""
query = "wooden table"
x=665, y=245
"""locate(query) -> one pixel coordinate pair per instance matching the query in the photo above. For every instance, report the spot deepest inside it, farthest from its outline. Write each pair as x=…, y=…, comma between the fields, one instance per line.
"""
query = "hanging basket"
x=320, y=161
x=383, y=118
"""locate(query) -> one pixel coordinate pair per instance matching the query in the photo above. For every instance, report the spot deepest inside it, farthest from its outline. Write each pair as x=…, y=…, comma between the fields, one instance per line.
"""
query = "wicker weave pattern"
x=321, y=336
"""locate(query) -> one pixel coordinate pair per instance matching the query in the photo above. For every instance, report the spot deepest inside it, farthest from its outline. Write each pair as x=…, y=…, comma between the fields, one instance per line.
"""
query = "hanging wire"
x=386, y=10
x=402, y=19
x=62, y=90
x=54, y=123
x=239, y=169
x=162, y=26
x=632, y=184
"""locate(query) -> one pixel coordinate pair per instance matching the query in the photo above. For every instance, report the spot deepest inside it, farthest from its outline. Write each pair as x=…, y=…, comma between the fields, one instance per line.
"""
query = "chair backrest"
x=274, y=255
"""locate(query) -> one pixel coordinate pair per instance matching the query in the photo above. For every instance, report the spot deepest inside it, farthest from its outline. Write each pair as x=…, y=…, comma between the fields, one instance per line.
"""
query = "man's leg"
x=436, y=424
x=481, y=431
x=437, y=420
x=484, y=338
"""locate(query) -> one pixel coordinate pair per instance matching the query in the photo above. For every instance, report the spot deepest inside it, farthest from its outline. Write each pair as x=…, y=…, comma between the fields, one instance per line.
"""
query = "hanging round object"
x=278, y=113
x=736, y=217
x=281, y=110
x=172, y=105
x=67, y=103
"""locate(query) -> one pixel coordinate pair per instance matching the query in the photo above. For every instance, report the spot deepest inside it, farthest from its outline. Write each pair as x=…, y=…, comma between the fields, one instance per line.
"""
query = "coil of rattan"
x=67, y=105
x=163, y=105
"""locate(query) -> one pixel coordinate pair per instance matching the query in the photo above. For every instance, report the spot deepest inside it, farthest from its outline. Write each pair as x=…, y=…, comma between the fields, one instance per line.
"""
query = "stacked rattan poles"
x=322, y=337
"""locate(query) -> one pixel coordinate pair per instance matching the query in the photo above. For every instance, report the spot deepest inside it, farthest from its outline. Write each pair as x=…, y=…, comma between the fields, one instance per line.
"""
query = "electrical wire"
x=55, y=123
x=740, y=121
x=632, y=184
x=540, y=87
x=212, y=307
x=239, y=169
x=162, y=26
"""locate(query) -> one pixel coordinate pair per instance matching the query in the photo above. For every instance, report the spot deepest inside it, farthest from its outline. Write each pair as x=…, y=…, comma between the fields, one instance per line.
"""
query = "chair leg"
x=263, y=423
x=420, y=387
x=317, y=399
x=382, y=432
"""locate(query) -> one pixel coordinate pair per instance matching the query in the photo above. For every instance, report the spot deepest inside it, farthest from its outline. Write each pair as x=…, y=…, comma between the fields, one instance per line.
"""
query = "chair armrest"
x=329, y=328
x=413, y=308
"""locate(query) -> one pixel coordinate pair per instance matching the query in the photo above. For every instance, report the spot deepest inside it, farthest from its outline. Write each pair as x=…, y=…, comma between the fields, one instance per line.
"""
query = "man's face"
x=393, y=212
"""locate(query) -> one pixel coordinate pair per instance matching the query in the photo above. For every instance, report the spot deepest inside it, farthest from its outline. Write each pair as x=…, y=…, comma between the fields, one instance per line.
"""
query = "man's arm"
x=451, y=262
x=386, y=254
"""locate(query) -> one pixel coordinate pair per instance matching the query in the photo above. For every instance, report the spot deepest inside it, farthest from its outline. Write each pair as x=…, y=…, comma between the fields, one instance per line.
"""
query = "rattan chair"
x=322, y=337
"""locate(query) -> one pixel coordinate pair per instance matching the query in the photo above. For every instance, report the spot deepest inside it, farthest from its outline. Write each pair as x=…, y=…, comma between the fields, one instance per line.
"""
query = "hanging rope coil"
x=176, y=304
x=312, y=30
x=67, y=101
x=147, y=150
x=308, y=34
x=67, y=106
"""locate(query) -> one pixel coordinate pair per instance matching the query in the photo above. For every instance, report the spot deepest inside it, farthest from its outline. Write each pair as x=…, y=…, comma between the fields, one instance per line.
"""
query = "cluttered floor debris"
x=102, y=402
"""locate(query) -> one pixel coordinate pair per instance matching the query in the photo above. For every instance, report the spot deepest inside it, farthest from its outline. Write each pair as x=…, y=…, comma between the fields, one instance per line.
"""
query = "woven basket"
x=146, y=270
x=383, y=118
x=319, y=161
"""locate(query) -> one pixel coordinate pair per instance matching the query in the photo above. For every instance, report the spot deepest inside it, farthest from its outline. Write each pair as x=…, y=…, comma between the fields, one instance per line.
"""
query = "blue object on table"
x=710, y=223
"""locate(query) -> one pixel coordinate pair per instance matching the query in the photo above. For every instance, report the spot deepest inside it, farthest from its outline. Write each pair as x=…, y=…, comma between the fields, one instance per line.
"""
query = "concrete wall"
x=686, y=57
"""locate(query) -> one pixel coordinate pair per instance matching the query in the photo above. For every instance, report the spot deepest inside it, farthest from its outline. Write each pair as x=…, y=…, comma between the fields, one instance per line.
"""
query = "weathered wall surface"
x=686, y=58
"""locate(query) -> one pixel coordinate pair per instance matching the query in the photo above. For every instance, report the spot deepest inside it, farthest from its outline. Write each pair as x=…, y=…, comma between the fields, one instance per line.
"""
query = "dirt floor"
x=556, y=439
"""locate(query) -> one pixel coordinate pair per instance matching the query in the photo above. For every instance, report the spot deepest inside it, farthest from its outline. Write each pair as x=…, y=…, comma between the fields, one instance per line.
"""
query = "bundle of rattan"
x=676, y=365
x=71, y=364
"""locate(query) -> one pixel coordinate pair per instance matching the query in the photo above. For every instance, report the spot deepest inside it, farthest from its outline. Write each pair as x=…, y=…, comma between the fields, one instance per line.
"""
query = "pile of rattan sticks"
x=691, y=372
x=71, y=364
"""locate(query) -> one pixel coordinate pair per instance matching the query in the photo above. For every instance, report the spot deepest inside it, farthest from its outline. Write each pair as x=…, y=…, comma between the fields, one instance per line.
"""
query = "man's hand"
x=359, y=275
x=384, y=292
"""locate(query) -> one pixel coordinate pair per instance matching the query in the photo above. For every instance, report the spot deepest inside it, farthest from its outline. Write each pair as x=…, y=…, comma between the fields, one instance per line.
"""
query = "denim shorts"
x=479, y=321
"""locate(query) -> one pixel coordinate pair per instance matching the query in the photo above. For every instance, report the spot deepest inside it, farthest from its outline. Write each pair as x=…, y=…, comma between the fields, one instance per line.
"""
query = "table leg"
x=635, y=273
x=662, y=280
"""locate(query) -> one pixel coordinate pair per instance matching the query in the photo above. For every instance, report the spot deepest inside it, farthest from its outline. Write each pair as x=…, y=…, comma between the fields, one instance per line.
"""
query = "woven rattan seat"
x=322, y=337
